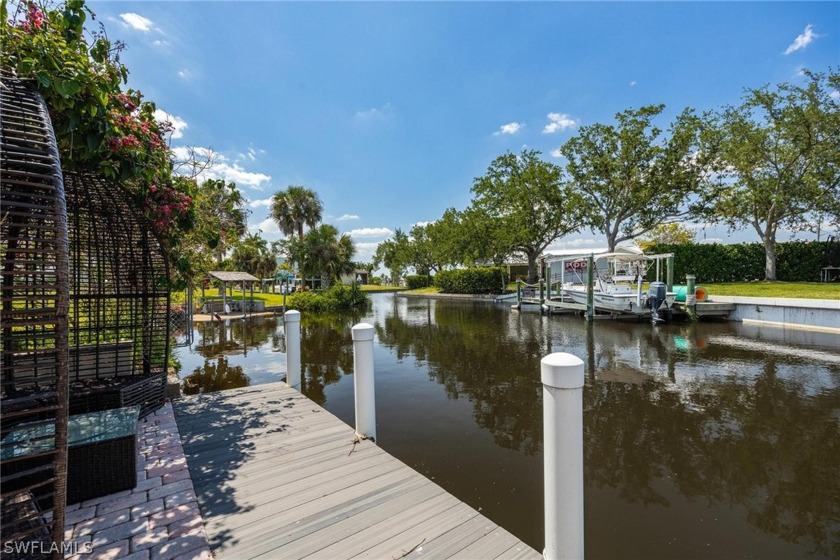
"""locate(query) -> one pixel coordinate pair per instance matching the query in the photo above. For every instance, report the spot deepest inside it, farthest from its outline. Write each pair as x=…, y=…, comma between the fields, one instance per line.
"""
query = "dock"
x=278, y=476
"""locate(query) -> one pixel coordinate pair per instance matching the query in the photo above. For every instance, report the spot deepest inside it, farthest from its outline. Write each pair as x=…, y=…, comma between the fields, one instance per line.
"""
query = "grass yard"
x=811, y=290
x=374, y=288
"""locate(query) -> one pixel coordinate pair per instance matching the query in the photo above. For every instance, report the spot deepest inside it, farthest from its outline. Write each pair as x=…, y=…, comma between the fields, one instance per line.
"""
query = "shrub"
x=337, y=298
x=796, y=261
x=470, y=280
x=415, y=281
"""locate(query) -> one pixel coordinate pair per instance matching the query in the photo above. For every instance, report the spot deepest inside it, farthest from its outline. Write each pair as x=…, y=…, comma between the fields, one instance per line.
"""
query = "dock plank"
x=276, y=475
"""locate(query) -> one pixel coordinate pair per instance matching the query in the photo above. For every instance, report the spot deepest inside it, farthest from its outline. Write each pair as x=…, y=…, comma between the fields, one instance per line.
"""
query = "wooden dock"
x=277, y=476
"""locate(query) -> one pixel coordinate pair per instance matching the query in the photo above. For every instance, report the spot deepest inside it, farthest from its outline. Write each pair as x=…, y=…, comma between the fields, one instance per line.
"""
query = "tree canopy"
x=324, y=252
x=525, y=198
x=630, y=178
x=779, y=160
x=295, y=208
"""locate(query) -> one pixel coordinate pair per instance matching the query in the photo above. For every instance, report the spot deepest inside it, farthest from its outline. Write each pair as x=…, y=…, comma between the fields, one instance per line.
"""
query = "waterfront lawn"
x=808, y=290
x=811, y=290
x=375, y=288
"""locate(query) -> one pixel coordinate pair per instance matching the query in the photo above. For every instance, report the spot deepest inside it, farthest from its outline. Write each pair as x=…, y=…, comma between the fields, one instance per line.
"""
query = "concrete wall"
x=814, y=314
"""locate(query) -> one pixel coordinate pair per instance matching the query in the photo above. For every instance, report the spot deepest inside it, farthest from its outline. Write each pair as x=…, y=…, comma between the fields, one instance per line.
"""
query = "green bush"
x=471, y=280
x=336, y=298
x=415, y=281
x=796, y=261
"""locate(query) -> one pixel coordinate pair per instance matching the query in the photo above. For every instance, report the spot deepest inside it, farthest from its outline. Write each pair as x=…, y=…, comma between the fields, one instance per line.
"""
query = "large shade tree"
x=394, y=254
x=525, y=198
x=779, y=160
x=295, y=208
x=631, y=176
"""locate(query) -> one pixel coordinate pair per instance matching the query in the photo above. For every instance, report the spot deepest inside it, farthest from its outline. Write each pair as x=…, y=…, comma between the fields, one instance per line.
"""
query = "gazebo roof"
x=231, y=276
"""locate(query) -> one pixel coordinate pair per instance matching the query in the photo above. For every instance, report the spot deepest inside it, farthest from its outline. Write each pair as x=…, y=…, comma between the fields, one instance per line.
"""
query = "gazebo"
x=225, y=276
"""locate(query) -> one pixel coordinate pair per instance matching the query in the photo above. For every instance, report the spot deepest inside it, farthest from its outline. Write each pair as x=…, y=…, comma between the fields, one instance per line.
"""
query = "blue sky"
x=389, y=110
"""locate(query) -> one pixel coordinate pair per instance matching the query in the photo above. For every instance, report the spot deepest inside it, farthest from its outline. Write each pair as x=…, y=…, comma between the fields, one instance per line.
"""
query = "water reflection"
x=702, y=440
x=327, y=353
x=700, y=409
x=214, y=376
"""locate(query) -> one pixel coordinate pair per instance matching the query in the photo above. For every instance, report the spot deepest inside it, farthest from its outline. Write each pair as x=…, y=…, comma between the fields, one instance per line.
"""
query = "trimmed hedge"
x=415, y=281
x=796, y=261
x=470, y=280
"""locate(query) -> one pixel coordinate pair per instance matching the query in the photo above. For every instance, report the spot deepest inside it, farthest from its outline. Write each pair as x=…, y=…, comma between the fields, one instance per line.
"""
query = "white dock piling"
x=363, y=380
x=563, y=378
x=292, y=328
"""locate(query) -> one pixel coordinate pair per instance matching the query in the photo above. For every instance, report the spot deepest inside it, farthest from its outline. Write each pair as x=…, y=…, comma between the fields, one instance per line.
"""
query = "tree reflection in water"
x=709, y=415
x=214, y=376
x=660, y=404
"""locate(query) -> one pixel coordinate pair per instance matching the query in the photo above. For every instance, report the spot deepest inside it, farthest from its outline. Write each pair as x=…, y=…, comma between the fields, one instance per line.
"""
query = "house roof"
x=232, y=276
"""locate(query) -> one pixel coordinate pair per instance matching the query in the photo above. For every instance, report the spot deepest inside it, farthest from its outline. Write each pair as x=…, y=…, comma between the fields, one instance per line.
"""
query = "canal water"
x=700, y=441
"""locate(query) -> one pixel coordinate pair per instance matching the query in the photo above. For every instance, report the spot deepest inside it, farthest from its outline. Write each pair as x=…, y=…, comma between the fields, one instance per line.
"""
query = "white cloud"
x=347, y=218
x=803, y=40
x=835, y=94
x=221, y=169
x=632, y=83
x=422, y=224
x=264, y=202
x=266, y=226
x=365, y=251
x=509, y=128
x=136, y=21
x=184, y=73
x=177, y=123
x=237, y=174
x=556, y=153
x=182, y=153
x=251, y=154
x=160, y=43
x=374, y=114
x=711, y=241
x=559, y=121
x=370, y=232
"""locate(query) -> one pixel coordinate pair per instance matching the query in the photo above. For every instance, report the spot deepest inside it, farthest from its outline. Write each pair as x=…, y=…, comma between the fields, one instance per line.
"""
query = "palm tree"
x=322, y=252
x=294, y=208
x=252, y=255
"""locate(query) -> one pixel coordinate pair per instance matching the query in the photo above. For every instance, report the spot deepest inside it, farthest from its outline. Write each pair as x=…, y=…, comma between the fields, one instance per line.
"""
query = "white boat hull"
x=625, y=302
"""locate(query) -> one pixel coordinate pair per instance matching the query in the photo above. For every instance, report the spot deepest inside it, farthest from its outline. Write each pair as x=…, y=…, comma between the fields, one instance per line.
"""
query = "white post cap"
x=562, y=370
x=362, y=332
x=292, y=316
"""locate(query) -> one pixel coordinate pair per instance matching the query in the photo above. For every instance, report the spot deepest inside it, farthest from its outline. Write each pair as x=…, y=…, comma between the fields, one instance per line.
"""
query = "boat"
x=617, y=281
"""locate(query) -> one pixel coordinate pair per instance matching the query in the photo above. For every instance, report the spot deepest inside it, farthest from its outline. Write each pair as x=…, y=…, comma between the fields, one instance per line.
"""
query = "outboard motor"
x=656, y=297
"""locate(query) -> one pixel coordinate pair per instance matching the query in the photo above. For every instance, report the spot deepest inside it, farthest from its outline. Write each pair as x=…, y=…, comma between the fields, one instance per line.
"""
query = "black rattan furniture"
x=102, y=456
x=33, y=320
x=85, y=299
x=119, y=299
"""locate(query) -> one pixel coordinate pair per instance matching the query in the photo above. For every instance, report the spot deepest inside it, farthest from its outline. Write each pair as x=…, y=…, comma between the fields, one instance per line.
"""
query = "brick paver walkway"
x=157, y=520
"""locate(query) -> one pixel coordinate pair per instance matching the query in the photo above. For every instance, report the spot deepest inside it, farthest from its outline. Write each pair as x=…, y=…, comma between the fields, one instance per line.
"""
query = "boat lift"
x=580, y=267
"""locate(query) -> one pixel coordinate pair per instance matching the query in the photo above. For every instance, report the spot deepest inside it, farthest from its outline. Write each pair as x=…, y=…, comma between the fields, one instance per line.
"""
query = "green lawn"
x=813, y=290
x=373, y=288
